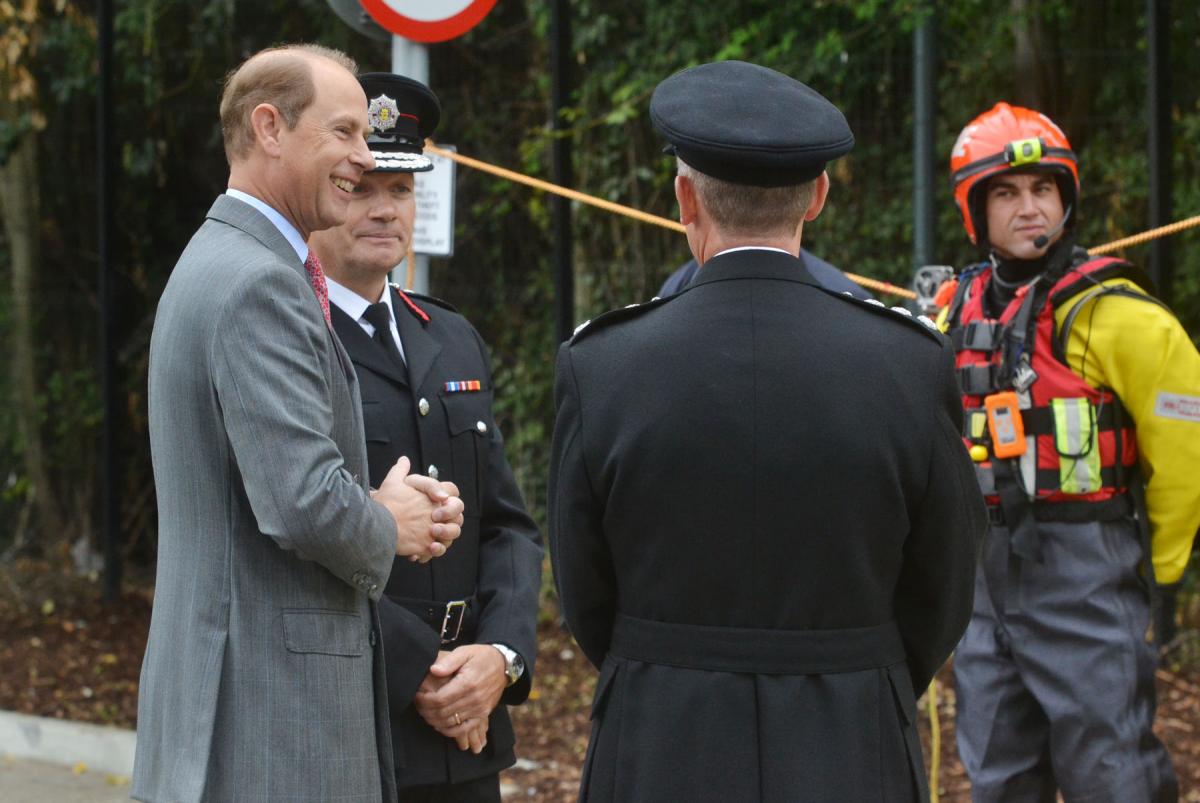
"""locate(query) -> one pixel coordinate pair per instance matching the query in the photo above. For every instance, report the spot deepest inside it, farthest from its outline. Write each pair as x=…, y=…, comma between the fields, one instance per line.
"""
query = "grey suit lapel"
x=243, y=216
x=421, y=350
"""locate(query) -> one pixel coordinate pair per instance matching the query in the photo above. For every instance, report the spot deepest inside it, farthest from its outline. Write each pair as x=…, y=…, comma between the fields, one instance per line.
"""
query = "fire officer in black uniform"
x=459, y=631
x=763, y=520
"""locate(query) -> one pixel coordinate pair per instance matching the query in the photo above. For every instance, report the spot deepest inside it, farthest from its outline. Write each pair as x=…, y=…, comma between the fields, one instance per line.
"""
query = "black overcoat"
x=496, y=562
x=763, y=528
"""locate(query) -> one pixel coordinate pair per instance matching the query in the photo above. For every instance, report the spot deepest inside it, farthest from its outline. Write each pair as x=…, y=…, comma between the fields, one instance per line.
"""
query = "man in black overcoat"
x=763, y=521
x=459, y=633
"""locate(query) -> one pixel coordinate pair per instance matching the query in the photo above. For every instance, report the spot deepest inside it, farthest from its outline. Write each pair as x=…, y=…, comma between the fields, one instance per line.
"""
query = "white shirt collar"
x=288, y=231
x=351, y=302
x=753, y=248
x=355, y=305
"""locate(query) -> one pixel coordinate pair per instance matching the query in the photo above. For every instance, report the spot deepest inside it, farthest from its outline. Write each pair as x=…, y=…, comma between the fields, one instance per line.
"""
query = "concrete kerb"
x=60, y=741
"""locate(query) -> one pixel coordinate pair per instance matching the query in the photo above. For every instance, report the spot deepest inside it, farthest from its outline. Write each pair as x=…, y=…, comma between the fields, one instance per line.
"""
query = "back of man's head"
x=281, y=76
x=744, y=210
x=752, y=143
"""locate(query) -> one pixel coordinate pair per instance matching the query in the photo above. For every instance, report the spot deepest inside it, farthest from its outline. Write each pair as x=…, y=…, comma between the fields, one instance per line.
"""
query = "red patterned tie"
x=316, y=278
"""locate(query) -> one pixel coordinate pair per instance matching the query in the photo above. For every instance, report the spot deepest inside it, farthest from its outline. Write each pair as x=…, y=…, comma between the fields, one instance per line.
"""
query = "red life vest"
x=1080, y=442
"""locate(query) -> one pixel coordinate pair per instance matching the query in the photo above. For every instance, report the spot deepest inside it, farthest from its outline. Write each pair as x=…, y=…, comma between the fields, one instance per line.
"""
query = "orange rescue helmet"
x=1008, y=139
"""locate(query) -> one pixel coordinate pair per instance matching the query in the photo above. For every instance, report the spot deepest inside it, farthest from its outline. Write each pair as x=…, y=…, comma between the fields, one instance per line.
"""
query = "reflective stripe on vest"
x=1075, y=441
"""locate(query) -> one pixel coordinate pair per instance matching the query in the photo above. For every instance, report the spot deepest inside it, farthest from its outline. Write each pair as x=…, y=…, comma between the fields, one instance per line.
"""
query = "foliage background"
x=1084, y=64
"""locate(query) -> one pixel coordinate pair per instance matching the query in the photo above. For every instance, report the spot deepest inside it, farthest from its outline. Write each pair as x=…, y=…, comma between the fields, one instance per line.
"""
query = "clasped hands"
x=428, y=513
x=460, y=692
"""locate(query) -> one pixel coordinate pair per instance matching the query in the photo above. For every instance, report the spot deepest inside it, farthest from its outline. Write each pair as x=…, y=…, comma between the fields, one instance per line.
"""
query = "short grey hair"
x=746, y=210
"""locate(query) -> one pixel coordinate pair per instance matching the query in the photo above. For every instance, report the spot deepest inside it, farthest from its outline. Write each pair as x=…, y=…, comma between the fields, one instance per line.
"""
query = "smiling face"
x=375, y=236
x=1020, y=208
x=324, y=157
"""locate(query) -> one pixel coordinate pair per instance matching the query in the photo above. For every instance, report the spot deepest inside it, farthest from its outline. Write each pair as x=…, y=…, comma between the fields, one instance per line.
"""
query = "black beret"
x=748, y=124
x=402, y=113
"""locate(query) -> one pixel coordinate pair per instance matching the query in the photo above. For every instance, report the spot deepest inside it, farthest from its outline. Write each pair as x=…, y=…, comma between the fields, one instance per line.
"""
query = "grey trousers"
x=1057, y=691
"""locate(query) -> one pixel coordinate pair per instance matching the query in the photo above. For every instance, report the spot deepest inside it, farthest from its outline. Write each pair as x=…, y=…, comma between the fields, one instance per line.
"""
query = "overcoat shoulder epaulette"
x=425, y=297
x=615, y=316
x=920, y=322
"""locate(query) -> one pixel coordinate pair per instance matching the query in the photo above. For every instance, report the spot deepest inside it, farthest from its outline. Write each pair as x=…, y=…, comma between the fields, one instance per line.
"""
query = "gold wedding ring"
x=457, y=721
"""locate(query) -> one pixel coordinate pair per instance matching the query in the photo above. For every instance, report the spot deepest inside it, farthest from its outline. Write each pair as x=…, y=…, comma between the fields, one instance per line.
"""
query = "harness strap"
x=1018, y=510
x=979, y=380
x=965, y=280
x=1060, y=343
x=976, y=336
x=1050, y=479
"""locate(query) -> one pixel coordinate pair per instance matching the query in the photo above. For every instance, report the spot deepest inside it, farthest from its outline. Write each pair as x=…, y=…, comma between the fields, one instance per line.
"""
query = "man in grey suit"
x=263, y=676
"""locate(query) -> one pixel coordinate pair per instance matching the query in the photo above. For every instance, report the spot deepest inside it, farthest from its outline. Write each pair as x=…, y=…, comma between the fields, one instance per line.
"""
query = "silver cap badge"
x=382, y=113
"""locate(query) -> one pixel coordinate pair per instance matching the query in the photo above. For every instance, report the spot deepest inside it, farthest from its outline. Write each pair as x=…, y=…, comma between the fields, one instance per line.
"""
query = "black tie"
x=380, y=316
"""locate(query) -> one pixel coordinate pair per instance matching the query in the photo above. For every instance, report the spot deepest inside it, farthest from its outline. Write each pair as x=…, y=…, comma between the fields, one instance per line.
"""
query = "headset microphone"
x=1040, y=241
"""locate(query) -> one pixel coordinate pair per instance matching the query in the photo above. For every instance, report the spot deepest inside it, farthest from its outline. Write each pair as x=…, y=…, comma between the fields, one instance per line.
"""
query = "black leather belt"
x=758, y=651
x=452, y=621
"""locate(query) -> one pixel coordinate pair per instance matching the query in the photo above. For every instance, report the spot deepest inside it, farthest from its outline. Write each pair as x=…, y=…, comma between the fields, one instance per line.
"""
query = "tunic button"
x=432, y=472
x=481, y=427
x=423, y=407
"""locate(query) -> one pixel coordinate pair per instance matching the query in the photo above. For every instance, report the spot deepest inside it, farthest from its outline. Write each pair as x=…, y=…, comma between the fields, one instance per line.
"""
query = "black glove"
x=1165, y=628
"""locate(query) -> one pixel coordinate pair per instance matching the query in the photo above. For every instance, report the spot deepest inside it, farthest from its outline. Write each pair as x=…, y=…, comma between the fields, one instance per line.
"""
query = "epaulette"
x=408, y=296
x=919, y=322
x=616, y=315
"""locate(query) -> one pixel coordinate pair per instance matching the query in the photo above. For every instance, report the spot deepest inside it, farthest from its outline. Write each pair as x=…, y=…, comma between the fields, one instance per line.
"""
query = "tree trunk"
x=1029, y=63
x=19, y=205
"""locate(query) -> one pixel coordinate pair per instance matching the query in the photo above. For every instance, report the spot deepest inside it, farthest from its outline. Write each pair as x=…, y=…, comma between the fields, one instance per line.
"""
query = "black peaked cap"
x=748, y=124
x=402, y=113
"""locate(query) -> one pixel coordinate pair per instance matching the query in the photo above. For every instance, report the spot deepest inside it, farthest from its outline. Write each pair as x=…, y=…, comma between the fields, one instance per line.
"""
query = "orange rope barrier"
x=880, y=286
x=574, y=195
x=673, y=225
x=1152, y=234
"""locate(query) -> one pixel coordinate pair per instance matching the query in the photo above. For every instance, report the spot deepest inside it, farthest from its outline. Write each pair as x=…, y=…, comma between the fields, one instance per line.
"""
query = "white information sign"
x=433, y=231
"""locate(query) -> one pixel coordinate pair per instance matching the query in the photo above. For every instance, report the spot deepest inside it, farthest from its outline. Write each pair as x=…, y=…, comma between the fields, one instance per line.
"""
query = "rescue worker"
x=1082, y=412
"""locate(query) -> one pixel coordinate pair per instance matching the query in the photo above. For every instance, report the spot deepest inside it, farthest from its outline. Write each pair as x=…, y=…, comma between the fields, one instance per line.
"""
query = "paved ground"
x=26, y=781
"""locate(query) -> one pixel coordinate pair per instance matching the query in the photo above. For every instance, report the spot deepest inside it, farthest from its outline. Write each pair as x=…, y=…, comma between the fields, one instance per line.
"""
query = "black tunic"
x=498, y=558
x=763, y=527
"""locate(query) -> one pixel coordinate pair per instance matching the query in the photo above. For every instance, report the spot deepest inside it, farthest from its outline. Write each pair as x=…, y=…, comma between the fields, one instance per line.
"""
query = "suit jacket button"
x=432, y=473
x=481, y=427
x=371, y=638
x=423, y=407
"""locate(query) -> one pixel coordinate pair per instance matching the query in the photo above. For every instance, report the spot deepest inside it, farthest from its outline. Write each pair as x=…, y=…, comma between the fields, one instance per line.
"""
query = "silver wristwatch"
x=514, y=664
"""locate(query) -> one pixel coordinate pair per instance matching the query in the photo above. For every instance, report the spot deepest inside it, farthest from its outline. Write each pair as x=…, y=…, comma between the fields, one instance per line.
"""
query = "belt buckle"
x=456, y=611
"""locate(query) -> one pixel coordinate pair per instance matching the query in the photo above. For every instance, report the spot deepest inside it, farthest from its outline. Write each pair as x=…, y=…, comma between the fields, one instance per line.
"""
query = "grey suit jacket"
x=262, y=680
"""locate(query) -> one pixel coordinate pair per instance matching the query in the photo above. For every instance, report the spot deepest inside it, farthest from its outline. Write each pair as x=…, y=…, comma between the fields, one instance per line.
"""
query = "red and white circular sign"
x=428, y=20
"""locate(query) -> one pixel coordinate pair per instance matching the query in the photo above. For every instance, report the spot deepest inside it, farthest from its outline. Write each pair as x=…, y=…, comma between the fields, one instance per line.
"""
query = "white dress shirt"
x=355, y=305
x=288, y=231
